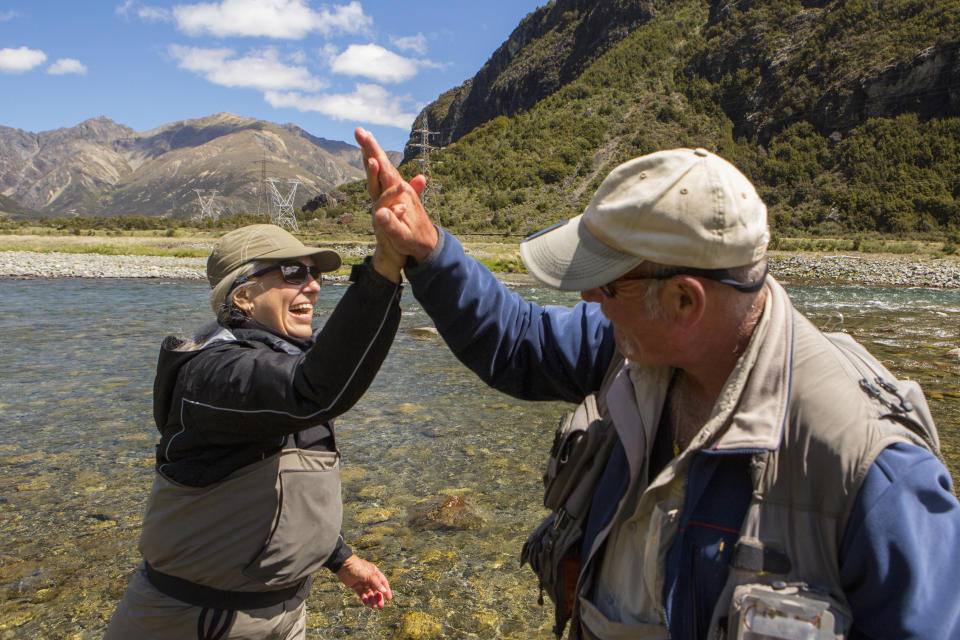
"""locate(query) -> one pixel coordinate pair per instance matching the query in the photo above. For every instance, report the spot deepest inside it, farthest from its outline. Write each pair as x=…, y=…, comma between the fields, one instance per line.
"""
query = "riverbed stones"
x=444, y=512
x=372, y=515
x=423, y=332
x=418, y=625
x=876, y=269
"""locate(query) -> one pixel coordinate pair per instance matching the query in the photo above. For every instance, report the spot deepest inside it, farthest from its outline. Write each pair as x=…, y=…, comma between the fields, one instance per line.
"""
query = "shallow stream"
x=76, y=454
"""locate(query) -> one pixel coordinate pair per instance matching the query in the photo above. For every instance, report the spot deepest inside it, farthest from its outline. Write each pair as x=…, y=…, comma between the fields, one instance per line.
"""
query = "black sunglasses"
x=722, y=276
x=292, y=272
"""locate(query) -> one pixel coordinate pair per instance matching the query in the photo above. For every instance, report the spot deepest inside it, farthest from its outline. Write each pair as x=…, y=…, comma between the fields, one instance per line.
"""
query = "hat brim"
x=325, y=259
x=570, y=258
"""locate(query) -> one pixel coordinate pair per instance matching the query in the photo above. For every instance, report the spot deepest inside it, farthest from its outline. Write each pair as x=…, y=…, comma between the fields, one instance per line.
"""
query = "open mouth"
x=304, y=309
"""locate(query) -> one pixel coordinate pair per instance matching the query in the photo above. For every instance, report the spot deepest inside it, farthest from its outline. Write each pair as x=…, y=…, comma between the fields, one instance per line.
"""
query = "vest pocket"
x=308, y=519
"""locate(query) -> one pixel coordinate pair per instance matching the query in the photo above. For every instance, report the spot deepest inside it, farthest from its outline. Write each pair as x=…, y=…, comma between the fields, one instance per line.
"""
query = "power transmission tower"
x=206, y=207
x=426, y=148
x=283, y=205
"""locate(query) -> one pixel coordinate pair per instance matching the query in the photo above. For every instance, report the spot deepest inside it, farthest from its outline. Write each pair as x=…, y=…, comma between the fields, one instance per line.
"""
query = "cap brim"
x=570, y=258
x=324, y=259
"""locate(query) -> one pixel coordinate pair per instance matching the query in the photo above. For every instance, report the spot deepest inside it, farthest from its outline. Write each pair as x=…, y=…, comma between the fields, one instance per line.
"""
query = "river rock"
x=418, y=625
x=444, y=512
x=426, y=332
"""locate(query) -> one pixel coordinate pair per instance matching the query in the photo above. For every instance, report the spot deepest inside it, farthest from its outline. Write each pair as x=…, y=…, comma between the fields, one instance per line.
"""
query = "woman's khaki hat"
x=263, y=242
x=679, y=207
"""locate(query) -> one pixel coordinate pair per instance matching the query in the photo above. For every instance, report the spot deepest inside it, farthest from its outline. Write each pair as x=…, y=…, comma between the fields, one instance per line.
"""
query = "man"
x=753, y=486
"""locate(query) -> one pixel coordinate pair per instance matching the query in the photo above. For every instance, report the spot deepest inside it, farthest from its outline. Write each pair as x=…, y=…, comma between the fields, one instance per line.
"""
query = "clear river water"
x=76, y=449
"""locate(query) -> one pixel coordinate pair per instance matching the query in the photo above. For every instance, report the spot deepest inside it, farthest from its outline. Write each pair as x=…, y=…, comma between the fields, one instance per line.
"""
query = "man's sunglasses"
x=292, y=272
x=722, y=276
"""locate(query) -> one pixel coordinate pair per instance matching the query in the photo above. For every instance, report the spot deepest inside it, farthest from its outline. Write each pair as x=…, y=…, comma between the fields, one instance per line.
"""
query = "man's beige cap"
x=263, y=242
x=681, y=207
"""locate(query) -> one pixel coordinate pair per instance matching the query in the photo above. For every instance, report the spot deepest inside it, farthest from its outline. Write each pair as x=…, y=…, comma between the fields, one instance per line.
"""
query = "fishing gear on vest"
x=581, y=447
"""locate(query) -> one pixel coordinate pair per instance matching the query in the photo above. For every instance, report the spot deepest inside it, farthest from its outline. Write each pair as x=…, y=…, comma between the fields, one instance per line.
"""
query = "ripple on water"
x=76, y=441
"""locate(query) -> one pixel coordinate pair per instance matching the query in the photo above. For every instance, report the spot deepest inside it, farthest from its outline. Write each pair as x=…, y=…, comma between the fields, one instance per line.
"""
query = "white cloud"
x=257, y=70
x=327, y=52
x=144, y=12
x=417, y=43
x=154, y=14
x=67, y=65
x=8, y=15
x=20, y=60
x=369, y=104
x=374, y=62
x=286, y=19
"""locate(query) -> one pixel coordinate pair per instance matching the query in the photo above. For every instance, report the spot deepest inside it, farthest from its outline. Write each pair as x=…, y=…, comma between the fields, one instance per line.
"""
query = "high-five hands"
x=400, y=221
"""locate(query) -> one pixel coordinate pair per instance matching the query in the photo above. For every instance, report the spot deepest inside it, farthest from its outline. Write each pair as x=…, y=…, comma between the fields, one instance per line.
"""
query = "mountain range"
x=844, y=113
x=100, y=167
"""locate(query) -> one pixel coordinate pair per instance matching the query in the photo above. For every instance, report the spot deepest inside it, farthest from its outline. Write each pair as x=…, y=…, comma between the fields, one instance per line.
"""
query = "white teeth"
x=301, y=308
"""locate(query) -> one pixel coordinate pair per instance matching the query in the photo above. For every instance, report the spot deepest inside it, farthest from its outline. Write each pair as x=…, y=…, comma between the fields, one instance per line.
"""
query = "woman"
x=245, y=503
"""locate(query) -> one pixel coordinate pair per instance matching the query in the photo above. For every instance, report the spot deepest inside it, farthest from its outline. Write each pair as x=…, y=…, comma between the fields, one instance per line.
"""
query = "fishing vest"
x=815, y=410
x=845, y=409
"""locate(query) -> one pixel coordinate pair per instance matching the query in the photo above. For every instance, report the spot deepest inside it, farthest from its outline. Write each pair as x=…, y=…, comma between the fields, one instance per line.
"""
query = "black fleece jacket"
x=227, y=404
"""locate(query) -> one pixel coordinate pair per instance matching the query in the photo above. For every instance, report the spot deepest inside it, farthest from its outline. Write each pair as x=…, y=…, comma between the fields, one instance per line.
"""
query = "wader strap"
x=203, y=596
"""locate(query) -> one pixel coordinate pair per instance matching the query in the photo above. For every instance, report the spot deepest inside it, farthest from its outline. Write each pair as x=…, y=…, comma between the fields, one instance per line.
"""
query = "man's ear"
x=685, y=300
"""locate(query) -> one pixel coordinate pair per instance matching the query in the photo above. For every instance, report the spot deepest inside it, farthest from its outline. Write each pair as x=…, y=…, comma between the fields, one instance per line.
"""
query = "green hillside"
x=845, y=115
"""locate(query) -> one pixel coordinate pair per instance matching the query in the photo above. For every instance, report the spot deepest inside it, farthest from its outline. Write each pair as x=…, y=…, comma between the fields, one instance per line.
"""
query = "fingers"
x=366, y=580
x=375, y=590
x=387, y=174
x=419, y=183
x=372, y=168
x=401, y=219
x=371, y=164
x=373, y=599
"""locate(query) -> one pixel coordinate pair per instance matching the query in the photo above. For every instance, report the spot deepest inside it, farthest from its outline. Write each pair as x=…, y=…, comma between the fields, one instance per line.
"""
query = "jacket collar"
x=250, y=330
x=752, y=410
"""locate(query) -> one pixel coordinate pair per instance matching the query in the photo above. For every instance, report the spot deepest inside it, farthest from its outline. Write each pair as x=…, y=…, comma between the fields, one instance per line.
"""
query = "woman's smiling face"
x=275, y=303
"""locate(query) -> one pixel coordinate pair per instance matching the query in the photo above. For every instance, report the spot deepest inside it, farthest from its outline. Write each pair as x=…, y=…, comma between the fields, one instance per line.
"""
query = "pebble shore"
x=867, y=269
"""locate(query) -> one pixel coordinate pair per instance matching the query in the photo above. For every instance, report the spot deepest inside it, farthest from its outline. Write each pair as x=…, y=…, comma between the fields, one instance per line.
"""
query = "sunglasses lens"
x=294, y=272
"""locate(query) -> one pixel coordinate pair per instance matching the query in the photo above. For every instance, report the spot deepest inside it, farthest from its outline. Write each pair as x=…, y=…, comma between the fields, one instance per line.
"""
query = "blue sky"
x=327, y=67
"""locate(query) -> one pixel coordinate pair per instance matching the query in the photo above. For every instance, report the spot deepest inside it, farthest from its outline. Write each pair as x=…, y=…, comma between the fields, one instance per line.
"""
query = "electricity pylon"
x=206, y=207
x=426, y=148
x=283, y=205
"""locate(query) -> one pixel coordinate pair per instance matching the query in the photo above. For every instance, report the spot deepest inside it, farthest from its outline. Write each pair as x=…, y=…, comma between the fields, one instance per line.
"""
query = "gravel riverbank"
x=887, y=270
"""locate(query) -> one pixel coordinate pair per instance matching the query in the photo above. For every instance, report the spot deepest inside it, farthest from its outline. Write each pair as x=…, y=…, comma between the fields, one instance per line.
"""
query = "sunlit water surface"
x=76, y=449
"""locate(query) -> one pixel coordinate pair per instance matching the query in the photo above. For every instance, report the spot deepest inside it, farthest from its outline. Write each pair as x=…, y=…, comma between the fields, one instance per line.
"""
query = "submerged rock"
x=425, y=332
x=444, y=512
x=418, y=625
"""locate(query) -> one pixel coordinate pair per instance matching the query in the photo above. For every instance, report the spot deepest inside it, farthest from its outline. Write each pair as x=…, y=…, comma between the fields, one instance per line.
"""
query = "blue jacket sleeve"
x=515, y=346
x=899, y=556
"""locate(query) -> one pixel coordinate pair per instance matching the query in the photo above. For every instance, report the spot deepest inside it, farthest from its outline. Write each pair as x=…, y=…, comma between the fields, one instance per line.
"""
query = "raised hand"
x=400, y=219
x=381, y=174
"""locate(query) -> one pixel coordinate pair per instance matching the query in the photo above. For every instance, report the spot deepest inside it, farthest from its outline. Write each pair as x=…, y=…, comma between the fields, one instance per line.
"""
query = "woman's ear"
x=241, y=300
